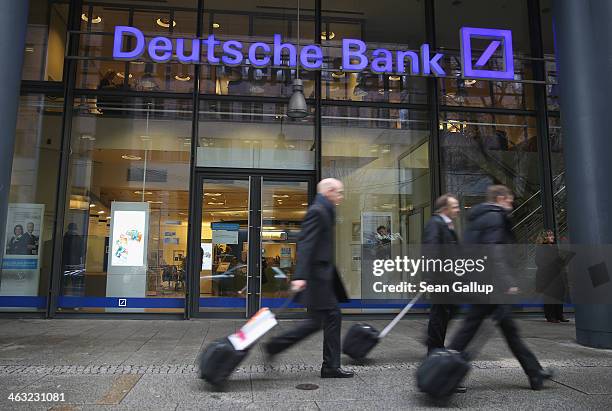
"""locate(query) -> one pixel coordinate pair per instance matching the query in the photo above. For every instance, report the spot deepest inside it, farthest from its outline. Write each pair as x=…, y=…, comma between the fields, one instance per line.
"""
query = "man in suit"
x=440, y=230
x=318, y=282
x=489, y=224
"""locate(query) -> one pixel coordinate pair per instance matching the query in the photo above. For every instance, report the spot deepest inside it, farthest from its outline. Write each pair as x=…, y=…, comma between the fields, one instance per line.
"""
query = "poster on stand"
x=22, y=236
x=23, y=252
x=128, y=238
x=127, y=256
x=207, y=254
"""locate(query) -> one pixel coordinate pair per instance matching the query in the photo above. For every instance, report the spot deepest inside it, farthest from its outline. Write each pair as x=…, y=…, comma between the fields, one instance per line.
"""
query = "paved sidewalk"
x=150, y=364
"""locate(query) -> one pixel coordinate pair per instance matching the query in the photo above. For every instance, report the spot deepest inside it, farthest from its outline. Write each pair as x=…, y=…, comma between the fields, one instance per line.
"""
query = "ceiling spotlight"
x=216, y=26
x=131, y=157
x=394, y=78
x=304, y=204
x=147, y=193
x=29, y=49
x=182, y=78
x=338, y=74
x=101, y=212
x=165, y=22
x=215, y=203
x=121, y=74
x=280, y=195
x=88, y=137
x=212, y=194
x=297, y=107
x=327, y=36
x=469, y=82
x=94, y=20
x=92, y=205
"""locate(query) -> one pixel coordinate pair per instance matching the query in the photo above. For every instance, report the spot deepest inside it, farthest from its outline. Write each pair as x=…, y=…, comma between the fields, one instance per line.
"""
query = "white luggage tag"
x=259, y=324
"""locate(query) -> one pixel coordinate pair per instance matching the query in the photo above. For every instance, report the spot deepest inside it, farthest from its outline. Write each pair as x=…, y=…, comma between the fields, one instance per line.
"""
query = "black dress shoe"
x=537, y=381
x=335, y=373
x=564, y=320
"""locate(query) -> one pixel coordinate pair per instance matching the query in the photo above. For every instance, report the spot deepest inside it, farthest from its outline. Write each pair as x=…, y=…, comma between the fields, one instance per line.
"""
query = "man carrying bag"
x=318, y=281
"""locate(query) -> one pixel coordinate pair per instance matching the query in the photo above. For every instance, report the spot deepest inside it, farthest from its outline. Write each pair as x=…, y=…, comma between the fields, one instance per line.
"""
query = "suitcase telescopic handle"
x=286, y=303
x=399, y=316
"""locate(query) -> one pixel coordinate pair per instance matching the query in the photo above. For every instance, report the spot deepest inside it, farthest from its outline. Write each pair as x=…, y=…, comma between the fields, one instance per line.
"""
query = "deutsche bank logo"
x=123, y=302
x=497, y=38
x=356, y=55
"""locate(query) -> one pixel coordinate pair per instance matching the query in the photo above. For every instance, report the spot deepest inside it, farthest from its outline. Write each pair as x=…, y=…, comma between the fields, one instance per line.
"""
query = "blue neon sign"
x=355, y=55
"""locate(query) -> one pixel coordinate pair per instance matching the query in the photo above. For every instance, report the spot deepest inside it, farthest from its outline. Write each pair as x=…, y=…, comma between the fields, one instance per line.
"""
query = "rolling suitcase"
x=442, y=372
x=220, y=358
x=362, y=338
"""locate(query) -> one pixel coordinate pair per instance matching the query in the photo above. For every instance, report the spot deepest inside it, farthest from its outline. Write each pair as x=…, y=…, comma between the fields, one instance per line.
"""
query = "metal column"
x=13, y=27
x=582, y=31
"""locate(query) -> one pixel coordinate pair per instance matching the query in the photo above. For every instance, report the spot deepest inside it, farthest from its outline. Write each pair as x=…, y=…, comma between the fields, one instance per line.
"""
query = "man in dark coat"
x=439, y=234
x=490, y=225
x=318, y=282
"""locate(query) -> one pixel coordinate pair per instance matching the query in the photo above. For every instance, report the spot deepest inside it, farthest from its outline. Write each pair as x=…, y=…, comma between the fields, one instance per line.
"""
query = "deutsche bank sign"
x=355, y=54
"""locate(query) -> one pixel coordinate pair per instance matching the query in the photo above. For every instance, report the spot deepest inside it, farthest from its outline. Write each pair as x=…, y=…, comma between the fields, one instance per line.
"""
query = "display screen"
x=129, y=231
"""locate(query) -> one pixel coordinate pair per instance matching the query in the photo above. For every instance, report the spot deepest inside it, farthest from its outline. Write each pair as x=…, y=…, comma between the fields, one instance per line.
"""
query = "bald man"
x=318, y=282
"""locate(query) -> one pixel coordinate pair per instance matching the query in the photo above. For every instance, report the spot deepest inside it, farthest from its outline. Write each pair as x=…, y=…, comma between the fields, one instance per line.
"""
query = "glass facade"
x=197, y=172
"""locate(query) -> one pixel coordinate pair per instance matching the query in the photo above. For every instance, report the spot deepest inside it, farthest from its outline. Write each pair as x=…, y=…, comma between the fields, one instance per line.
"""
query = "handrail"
x=536, y=209
x=536, y=194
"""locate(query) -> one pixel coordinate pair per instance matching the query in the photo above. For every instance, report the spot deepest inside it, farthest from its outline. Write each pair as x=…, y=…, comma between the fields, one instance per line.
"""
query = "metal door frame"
x=255, y=217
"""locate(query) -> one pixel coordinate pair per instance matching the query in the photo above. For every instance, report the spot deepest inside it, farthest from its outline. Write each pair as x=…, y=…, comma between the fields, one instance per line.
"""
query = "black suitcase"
x=359, y=341
x=442, y=372
x=219, y=360
x=361, y=338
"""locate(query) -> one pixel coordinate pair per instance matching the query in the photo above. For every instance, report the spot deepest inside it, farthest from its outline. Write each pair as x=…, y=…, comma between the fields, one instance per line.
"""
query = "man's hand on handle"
x=298, y=285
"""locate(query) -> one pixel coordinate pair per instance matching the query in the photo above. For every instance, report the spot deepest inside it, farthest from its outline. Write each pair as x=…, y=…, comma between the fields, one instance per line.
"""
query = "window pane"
x=259, y=135
x=127, y=156
x=381, y=155
x=477, y=93
x=558, y=168
x=45, y=41
x=26, y=264
x=251, y=22
x=451, y=15
x=391, y=25
x=174, y=19
x=479, y=149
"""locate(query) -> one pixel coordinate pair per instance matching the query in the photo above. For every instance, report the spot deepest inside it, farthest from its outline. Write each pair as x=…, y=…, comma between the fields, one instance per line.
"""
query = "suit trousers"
x=439, y=316
x=329, y=320
x=503, y=315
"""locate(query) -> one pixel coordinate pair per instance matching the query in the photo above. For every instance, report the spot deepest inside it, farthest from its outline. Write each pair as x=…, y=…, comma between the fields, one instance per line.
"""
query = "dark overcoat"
x=315, y=258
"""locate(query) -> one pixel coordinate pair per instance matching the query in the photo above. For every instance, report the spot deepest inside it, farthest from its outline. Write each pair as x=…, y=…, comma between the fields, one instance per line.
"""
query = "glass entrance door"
x=224, y=244
x=248, y=241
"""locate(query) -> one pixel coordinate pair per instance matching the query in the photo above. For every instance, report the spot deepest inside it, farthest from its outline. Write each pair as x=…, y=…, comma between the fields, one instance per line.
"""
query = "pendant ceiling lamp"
x=297, y=103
